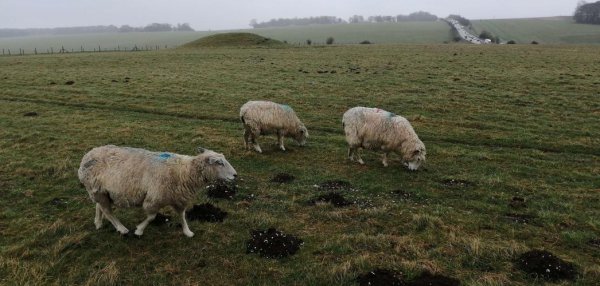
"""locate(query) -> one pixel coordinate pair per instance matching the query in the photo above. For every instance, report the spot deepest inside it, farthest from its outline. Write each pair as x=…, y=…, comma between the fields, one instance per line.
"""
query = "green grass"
x=233, y=40
x=554, y=30
x=512, y=120
x=407, y=32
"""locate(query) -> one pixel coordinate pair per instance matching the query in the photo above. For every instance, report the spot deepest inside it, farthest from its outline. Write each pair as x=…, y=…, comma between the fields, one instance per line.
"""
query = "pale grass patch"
x=591, y=272
x=422, y=222
x=108, y=275
x=492, y=279
x=23, y=273
x=68, y=241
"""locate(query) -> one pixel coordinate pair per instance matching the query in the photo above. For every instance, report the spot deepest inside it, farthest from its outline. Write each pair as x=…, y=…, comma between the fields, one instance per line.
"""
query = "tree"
x=587, y=13
x=329, y=40
x=185, y=27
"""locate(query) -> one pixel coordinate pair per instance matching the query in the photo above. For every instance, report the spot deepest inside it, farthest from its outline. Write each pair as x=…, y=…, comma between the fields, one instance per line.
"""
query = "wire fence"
x=82, y=49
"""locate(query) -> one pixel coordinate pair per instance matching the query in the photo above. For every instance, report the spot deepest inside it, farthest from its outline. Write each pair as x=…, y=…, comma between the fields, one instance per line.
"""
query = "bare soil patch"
x=517, y=203
x=221, y=191
x=519, y=218
x=30, y=114
x=283, y=178
x=546, y=265
x=335, y=185
x=333, y=198
x=272, y=243
x=456, y=183
x=206, y=212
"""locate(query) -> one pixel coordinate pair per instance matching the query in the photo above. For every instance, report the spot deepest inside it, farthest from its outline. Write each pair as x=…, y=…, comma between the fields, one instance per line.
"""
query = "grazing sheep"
x=265, y=117
x=376, y=129
x=132, y=177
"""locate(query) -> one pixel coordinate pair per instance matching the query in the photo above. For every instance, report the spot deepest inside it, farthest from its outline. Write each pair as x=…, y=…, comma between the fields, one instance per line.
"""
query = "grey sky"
x=234, y=14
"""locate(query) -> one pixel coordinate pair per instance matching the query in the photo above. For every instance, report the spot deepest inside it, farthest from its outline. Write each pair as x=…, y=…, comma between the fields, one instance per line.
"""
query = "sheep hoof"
x=98, y=225
x=139, y=232
x=123, y=231
x=360, y=161
x=188, y=233
x=257, y=149
x=282, y=148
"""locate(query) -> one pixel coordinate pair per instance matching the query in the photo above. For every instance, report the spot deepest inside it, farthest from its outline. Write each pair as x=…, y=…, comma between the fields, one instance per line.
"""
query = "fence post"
x=82, y=49
x=9, y=52
x=52, y=50
x=35, y=51
x=3, y=52
x=99, y=50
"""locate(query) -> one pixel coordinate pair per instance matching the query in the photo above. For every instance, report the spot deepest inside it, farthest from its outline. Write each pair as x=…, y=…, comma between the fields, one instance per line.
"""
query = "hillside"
x=551, y=30
x=233, y=40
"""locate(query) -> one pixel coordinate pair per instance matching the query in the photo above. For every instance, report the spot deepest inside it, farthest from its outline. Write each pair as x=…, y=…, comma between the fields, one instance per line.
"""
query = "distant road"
x=463, y=33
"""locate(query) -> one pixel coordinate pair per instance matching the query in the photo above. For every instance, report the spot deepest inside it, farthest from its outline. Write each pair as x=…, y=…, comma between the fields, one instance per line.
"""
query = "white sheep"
x=376, y=129
x=132, y=177
x=266, y=117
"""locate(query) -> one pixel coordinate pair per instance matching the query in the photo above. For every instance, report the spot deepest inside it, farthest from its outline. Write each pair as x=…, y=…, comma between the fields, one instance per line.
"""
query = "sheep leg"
x=280, y=140
x=385, y=159
x=351, y=154
x=99, y=217
x=103, y=201
x=255, y=134
x=360, y=160
x=247, y=135
x=184, y=224
x=139, y=230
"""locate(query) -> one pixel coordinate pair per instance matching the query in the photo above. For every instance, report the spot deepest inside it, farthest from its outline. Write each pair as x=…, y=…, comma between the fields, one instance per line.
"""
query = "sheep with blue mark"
x=377, y=129
x=131, y=177
x=266, y=117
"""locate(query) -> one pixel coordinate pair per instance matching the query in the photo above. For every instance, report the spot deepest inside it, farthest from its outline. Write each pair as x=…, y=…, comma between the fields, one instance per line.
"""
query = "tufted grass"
x=508, y=121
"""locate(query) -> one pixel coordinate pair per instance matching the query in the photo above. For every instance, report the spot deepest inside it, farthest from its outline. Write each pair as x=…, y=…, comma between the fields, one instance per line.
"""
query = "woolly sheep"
x=132, y=177
x=376, y=129
x=266, y=117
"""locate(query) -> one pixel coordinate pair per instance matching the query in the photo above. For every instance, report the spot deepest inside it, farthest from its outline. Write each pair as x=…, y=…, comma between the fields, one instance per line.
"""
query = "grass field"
x=507, y=121
x=407, y=32
x=554, y=30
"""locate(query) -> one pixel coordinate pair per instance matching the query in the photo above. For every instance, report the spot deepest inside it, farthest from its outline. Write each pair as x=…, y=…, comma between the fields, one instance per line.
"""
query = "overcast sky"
x=235, y=14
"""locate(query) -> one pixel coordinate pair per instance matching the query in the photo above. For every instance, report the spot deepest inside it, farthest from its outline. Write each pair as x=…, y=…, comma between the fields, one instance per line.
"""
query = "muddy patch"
x=519, y=218
x=427, y=278
x=271, y=243
x=161, y=219
x=59, y=202
x=456, y=183
x=283, y=178
x=381, y=277
x=221, y=191
x=30, y=114
x=70, y=82
x=517, y=203
x=206, y=212
x=546, y=265
x=333, y=198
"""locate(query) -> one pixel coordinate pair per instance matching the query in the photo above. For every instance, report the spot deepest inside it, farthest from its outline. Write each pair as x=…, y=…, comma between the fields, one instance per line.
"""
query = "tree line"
x=587, y=13
x=154, y=27
x=324, y=20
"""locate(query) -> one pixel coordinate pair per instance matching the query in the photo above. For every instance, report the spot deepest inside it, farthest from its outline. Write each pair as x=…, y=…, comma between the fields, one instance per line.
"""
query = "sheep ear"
x=417, y=152
x=200, y=150
x=213, y=161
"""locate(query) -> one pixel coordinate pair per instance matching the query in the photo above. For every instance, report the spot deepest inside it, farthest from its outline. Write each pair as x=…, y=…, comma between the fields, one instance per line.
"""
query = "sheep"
x=373, y=128
x=266, y=117
x=132, y=177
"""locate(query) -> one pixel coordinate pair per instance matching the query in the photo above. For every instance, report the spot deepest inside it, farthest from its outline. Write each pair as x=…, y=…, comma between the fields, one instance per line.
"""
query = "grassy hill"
x=512, y=163
x=553, y=30
x=233, y=40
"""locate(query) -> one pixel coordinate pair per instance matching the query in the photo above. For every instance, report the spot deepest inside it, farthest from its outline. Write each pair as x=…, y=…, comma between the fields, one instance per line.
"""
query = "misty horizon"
x=232, y=14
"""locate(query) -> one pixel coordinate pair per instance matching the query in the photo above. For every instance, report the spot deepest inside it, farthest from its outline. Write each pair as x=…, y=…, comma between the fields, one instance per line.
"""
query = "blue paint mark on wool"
x=286, y=107
x=164, y=156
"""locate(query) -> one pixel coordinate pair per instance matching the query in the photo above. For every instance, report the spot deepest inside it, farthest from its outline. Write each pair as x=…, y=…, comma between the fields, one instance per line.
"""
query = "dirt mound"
x=30, y=114
x=382, y=277
x=283, y=178
x=234, y=40
x=335, y=185
x=546, y=265
x=333, y=198
x=161, y=219
x=221, y=191
x=427, y=279
x=206, y=212
x=272, y=243
x=517, y=203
